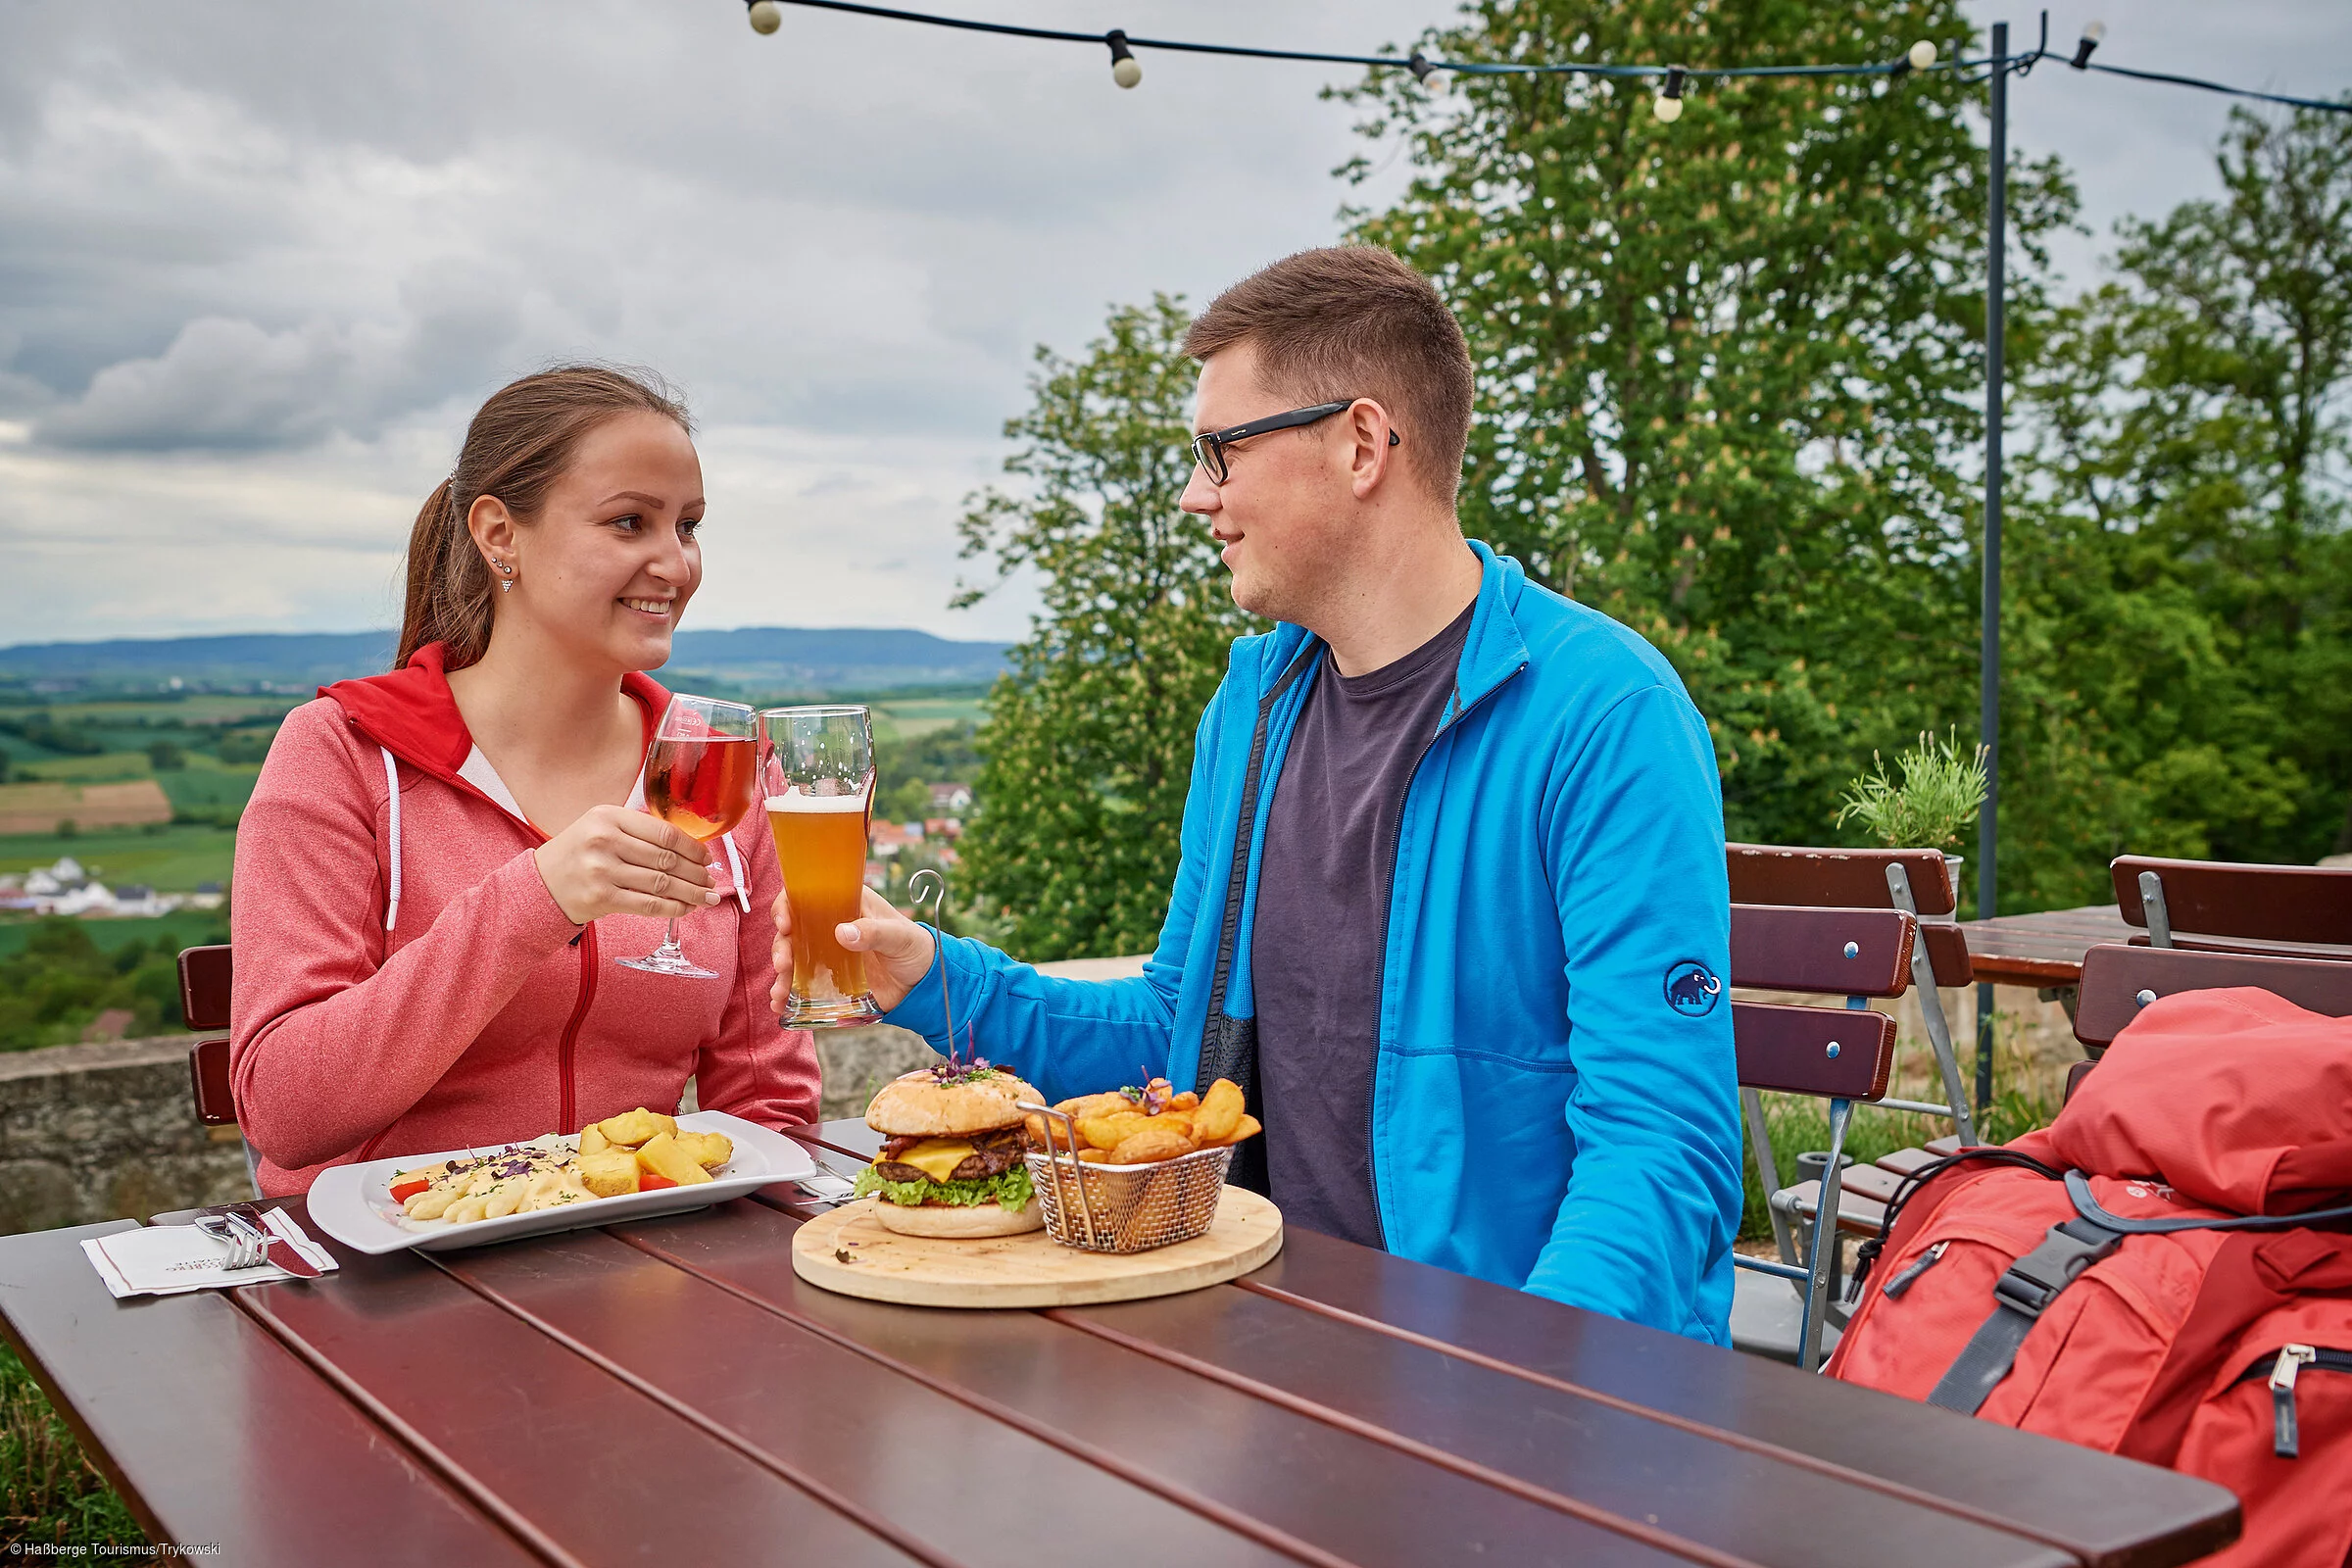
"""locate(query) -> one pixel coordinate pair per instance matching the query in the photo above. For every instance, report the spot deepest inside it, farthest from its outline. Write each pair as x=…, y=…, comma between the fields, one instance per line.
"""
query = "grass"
x=172, y=856
x=50, y=1494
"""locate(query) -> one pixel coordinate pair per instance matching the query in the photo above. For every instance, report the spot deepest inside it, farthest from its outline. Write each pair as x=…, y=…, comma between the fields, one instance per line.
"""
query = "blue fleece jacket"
x=1554, y=1105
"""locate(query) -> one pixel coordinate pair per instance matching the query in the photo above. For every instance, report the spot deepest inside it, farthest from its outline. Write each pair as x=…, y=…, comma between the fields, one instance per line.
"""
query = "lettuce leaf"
x=1011, y=1191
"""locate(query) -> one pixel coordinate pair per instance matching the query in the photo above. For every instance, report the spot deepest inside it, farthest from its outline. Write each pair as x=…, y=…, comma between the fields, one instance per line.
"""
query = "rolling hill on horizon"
x=779, y=658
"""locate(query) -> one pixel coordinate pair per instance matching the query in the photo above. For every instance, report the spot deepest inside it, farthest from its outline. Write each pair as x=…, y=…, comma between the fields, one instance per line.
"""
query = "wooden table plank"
x=1736, y=1499
x=1320, y=1493
x=2042, y=949
x=595, y=1469
x=214, y=1434
x=889, y=1445
x=2111, y=1514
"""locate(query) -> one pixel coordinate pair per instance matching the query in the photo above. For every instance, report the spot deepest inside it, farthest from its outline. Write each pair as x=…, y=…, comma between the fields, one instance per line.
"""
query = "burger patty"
x=993, y=1155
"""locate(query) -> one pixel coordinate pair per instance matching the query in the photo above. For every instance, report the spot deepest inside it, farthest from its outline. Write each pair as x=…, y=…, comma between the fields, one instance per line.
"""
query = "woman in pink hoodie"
x=440, y=864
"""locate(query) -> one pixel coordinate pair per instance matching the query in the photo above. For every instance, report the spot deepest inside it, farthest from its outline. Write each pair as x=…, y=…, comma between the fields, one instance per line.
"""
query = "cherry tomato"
x=650, y=1182
x=402, y=1191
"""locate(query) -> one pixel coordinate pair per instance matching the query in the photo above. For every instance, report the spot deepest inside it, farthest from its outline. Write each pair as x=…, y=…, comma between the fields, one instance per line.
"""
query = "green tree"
x=1730, y=368
x=1089, y=745
x=2180, y=595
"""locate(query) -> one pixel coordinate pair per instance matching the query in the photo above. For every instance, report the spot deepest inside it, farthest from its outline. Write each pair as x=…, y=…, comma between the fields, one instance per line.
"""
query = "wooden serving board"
x=1031, y=1269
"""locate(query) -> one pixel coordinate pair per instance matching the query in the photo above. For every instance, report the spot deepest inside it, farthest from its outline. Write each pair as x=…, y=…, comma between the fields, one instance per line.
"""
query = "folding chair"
x=2232, y=906
x=1843, y=1054
x=204, y=991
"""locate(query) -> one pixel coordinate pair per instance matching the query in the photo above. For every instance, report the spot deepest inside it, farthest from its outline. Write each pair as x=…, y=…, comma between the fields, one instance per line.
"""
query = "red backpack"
x=2162, y=1273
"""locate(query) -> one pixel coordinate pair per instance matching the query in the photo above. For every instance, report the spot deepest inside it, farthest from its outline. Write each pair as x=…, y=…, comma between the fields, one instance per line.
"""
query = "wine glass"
x=698, y=778
x=818, y=777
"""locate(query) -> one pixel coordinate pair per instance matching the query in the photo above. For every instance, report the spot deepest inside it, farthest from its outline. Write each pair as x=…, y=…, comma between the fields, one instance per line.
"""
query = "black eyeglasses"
x=1209, y=450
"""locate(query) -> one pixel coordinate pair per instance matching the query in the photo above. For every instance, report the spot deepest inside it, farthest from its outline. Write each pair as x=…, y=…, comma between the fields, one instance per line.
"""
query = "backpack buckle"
x=2034, y=1281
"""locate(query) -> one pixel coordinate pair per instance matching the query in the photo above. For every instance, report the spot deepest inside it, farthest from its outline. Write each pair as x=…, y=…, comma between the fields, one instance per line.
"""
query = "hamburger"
x=950, y=1163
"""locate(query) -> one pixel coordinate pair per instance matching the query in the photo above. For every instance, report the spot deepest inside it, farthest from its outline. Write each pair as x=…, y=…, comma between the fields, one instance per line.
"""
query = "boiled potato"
x=634, y=1128
x=707, y=1149
x=1153, y=1143
x=609, y=1172
x=1220, y=1109
x=593, y=1140
x=663, y=1156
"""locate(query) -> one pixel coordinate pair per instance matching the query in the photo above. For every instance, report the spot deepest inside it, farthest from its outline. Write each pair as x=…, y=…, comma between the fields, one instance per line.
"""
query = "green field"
x=169, y=857
x=910, y=718
x=183, y=928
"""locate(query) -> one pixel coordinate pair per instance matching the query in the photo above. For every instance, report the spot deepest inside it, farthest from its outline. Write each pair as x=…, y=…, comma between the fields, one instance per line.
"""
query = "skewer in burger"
x=951, y=1163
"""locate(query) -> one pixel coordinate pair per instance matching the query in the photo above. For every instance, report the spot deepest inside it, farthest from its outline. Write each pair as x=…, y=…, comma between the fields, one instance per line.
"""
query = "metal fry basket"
x=1122, y=1208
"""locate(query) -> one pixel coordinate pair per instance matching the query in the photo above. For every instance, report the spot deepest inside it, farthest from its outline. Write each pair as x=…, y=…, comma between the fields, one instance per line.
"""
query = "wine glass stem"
x=669, y=941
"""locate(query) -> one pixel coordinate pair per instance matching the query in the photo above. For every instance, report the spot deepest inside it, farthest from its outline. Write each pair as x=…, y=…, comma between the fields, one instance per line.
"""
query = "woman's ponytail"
x=515, y=448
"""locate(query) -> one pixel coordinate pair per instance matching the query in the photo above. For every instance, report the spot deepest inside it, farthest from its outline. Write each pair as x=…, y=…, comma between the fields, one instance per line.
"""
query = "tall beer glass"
x=818, y=777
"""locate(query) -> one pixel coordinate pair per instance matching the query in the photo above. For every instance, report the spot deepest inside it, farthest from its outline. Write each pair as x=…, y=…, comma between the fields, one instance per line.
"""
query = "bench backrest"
x=204, y=982
x=1855, y=879
x=2118, y=980
x=2233, y=899
x=1840, y=1053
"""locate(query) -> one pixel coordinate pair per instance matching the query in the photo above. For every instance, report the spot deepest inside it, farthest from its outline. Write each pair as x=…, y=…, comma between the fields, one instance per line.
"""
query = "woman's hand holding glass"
x=613, y=860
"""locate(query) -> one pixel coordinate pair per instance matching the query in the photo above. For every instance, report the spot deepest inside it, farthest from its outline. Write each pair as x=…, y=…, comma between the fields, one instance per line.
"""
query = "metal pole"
x=1989, y=698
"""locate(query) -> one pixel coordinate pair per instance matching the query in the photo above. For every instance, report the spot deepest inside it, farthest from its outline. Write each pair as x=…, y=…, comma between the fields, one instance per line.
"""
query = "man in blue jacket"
x=1451, y=905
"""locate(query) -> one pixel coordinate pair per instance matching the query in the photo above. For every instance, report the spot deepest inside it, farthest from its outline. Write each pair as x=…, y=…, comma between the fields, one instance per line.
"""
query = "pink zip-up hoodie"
x=404, y=983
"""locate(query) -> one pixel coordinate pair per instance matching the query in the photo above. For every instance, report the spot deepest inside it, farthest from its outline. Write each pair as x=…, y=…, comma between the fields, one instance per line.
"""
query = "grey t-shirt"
x=1316, y=949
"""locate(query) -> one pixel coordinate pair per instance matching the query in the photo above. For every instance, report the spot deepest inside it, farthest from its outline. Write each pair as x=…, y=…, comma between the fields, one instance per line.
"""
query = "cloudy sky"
x=260, y=260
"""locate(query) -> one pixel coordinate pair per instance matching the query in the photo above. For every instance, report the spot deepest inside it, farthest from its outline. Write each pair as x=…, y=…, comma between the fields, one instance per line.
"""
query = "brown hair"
x=1354, y=321
x=517, y=446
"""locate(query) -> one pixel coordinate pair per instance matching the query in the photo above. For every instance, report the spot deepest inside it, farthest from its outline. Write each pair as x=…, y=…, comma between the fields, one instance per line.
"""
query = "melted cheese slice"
x=938, y=1158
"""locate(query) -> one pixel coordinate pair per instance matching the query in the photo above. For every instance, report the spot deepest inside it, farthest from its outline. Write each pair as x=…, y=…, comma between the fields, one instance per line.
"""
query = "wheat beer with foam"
x=817, y=777
x=820, y=847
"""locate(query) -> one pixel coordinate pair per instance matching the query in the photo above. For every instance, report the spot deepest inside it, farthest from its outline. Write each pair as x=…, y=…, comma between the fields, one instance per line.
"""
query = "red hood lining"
x=411, y=713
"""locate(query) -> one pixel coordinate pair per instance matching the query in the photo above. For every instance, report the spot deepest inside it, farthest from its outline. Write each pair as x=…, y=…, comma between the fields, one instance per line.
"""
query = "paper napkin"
x=169, y=1260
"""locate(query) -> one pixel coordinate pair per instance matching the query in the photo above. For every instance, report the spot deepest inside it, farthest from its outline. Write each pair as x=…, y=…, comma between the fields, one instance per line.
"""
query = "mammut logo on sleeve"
x=1691, y=989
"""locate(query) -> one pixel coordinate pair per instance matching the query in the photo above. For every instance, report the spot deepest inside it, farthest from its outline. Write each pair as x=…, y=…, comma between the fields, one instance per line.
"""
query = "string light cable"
x=767, y=16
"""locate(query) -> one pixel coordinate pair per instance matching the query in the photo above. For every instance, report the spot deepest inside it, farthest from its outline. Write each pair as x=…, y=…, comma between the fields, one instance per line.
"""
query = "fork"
x=243, y=1250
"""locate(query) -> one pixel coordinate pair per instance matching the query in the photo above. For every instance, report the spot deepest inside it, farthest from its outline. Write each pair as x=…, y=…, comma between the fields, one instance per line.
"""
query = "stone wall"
x=108, y=1131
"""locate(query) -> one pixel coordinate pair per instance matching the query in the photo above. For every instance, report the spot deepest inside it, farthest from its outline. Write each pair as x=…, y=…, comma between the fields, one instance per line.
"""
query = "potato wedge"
x=1110, y=1104
x=1108, y=1132
x=609, y=1172
x=1220, y=1108
x=1188, y=1101
x=663, y=1156
x=707, y=1150
x=593, y=1140
x=1152, y=1143
x=1247, y=1127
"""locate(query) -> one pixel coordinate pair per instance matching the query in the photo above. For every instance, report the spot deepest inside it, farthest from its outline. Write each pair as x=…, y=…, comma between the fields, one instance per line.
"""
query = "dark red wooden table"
x=672, y=1392
x=2045, y=948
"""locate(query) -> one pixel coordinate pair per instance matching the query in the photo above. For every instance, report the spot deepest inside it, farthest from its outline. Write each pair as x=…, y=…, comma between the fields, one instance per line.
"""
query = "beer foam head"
x=796, y=802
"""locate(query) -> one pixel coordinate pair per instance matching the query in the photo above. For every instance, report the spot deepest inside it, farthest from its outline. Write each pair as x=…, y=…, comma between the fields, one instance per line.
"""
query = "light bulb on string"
x=766, y=17
x=1668, y=104
x=2090, y=40
x=1921, y=55
x=1425, y=71
x=1124, y=67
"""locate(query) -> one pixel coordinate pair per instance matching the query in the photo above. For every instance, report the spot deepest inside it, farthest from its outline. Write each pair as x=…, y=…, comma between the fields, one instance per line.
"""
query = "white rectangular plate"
x=353, y=1204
